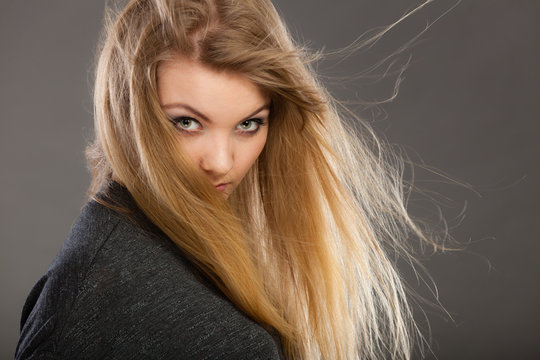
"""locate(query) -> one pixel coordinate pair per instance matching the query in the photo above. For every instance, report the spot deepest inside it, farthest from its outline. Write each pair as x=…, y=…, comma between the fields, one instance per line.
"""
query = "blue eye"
x=185, y=123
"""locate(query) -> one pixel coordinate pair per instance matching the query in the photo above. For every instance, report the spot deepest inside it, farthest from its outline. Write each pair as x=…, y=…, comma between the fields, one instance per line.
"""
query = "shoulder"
x=51, y=298
x=116, y=289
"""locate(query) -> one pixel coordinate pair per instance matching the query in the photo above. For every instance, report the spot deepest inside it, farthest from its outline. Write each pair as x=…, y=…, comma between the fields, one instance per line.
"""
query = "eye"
x=250, y=126
x=185, y=123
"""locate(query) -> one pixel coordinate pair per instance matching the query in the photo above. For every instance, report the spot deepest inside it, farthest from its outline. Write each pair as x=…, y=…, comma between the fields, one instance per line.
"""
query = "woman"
x=233, y=214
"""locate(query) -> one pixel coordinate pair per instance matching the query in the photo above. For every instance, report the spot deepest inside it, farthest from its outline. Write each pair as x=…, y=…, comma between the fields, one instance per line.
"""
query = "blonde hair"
x=303, y=245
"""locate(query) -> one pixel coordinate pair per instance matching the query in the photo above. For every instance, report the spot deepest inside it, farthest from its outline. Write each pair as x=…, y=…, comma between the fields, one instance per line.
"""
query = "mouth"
x=222, y=186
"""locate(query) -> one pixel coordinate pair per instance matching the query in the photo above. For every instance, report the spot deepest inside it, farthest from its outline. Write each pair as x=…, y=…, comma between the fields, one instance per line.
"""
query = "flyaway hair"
x=302, y=245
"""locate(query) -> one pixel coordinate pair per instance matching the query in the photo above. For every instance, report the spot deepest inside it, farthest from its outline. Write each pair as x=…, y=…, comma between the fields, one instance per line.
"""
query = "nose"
x=218, y=157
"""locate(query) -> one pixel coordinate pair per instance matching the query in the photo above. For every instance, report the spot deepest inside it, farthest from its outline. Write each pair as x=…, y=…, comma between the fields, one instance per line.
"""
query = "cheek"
x=249, y=153
x=189, y=151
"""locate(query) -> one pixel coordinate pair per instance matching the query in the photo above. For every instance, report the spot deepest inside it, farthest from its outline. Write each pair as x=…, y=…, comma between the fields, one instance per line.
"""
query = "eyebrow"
x=206, y=118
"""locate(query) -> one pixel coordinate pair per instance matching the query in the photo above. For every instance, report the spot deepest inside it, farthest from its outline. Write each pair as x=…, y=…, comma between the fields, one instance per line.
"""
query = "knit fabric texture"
x=119, y=291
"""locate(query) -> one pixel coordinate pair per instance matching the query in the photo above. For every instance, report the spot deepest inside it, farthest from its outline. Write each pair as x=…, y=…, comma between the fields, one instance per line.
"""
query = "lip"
x=222, y=186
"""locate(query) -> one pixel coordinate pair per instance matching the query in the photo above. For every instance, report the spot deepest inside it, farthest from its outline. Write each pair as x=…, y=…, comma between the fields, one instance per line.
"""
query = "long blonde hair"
x=303, y=245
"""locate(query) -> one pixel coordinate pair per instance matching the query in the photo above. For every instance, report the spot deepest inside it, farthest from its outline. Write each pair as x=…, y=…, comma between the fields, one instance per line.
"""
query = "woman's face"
x=221, y=118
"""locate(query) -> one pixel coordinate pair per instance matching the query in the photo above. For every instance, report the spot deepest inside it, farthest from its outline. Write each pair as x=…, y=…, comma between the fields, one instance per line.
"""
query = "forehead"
x=185, y=81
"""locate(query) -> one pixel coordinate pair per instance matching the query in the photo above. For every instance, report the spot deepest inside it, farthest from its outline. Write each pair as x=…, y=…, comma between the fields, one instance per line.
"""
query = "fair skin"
x=221, y=118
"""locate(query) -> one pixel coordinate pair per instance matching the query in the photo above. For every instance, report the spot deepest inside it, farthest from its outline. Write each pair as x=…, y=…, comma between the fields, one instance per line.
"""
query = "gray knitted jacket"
x=119, y=290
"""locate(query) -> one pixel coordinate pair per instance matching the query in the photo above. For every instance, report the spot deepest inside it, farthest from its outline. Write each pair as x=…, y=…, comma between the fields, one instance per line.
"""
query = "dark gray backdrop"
x=468, y=106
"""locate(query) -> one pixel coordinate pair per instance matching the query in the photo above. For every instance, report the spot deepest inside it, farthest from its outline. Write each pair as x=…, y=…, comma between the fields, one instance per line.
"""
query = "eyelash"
x=175, y=121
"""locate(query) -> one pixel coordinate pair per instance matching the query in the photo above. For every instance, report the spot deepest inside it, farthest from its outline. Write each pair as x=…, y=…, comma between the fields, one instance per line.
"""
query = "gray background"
x=468, y=106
